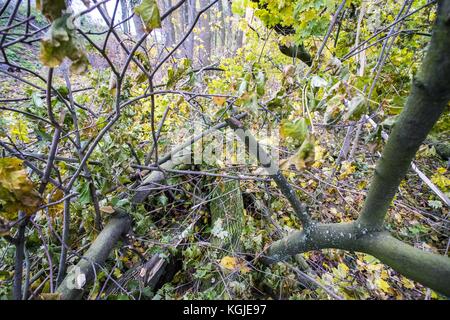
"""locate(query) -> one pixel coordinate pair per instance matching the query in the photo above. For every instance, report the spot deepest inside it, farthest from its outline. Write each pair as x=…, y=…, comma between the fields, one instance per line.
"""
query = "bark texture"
x=72, y=287
x=429, y=97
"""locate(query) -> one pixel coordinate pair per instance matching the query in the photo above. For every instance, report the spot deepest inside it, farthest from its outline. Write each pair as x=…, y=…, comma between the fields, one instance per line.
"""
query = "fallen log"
x=83, y=273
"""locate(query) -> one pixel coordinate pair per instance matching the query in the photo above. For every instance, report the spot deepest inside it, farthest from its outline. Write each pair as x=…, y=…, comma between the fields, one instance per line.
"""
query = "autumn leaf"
x=51, y=9
x=149, y=12
x=383, y=285
x=232, y=263
x=220, y=101
x=238, y=7
x=228, y=262
x=305, y=156
x=347, y=169
x=107, y=209
x=56, y=209
x=356, y=108
x=62, y=42
x=16, y=190
x=50, y=296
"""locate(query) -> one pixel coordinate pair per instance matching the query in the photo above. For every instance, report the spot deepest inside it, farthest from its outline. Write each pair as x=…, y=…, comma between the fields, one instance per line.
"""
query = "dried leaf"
x=107, y=209
x=62, y=42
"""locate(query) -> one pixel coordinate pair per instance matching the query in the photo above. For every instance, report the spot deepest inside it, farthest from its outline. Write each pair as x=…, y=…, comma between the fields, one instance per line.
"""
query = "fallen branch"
x=84, y=271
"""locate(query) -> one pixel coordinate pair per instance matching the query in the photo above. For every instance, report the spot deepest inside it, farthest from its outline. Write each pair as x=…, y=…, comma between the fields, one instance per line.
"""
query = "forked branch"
x=429, y=97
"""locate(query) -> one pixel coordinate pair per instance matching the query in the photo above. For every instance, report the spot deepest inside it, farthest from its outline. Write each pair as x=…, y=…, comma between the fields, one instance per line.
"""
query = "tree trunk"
x=124, y=9
x=84, y=272
x=227, y=204
x=428, y=99
x=223, y=35
x=168, y=26
x=190, y=15
x=205, y=35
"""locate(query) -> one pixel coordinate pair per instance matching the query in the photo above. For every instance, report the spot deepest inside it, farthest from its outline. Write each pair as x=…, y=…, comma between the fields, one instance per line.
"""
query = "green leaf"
x=149, y=12
x=36, y=100
x=175, y=75
x=318, y=82
x=389, y=122
x=243, y=87
x=305, y=155
x=260, y=83
x=238, y=7
x=435, y=204
x=356, y=108
x=85, y=195
x=297, y=130
x=163, y=200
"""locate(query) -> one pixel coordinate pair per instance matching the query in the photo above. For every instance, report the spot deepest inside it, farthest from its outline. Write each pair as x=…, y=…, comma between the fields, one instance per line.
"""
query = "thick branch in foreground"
x=430, y=269
x=428, y=99
x=95, y=256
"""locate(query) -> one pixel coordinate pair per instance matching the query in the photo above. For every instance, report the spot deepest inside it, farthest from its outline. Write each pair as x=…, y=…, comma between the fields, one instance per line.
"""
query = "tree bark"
x=430, y=269
x=223, y=35
x=429, y=97
x=168, y=26
x=124, y=10
x=138, y=25
x=189, y=14
x=205, y=35
x=94, y=257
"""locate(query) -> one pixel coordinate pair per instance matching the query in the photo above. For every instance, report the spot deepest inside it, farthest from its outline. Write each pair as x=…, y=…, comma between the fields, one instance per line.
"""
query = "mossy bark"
x=227, y=204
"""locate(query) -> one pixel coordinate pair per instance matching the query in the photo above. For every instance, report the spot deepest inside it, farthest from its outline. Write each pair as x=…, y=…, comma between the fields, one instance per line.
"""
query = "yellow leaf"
x=408, y=283
x=19, y=130
x=228, y=262
x=50, y=296
x=346, y=169
x=343, y=267
x=383, y=285
x=57, y=208
x=220, y=101
x=16, y=190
